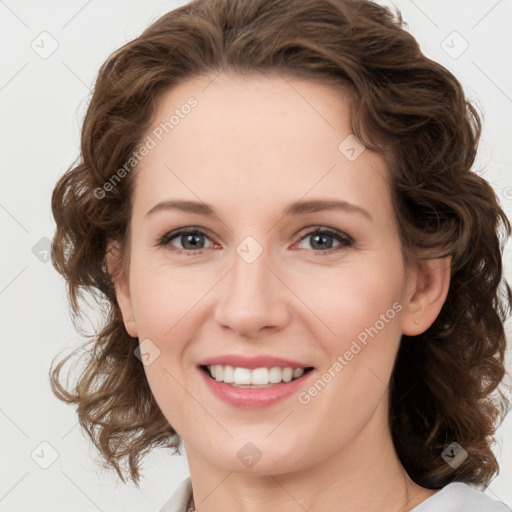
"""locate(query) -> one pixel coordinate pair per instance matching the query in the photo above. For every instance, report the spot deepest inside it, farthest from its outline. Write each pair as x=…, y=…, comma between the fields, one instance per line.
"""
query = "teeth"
x=256, y=377
x=228, y=374
x=242, y=376
x=298, y=372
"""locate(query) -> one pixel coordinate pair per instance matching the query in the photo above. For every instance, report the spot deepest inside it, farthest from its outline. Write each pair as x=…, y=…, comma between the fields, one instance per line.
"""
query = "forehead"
x=257, y=139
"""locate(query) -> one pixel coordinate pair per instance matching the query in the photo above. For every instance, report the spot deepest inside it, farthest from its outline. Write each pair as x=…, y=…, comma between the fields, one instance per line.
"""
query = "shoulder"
x=461, y=497
x=180, y=499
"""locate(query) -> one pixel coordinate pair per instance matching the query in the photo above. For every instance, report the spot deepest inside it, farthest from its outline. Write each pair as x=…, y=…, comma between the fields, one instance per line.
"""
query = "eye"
x=321, y=240
x=191, y=240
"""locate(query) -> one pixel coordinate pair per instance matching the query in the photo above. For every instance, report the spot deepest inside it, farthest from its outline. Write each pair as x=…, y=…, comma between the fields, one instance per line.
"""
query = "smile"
x=242, y=393
x=255, y=378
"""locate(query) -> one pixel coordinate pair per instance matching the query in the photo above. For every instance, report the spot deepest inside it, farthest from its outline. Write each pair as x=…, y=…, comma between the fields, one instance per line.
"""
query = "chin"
x=258, y=458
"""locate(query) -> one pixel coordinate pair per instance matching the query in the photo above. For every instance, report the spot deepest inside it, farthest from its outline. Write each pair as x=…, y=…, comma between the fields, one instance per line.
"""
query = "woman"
x=303, y=274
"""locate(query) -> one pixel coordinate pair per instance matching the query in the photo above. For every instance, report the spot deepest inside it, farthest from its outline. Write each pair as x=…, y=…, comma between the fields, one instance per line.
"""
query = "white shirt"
x=454, y=497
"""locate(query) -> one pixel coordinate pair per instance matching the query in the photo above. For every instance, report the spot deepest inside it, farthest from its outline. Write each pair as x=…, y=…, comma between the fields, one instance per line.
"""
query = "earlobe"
x=427, y=295
x=122, y=288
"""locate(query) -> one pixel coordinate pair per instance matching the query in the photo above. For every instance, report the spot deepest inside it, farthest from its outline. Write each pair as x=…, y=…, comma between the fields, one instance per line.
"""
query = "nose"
x=254, y=300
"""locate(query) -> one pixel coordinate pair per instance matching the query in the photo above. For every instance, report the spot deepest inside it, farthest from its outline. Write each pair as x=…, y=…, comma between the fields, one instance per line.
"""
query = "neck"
x=364, y=474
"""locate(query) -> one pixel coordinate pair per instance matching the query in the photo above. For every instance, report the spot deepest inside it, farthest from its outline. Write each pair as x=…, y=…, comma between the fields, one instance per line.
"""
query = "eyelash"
x=345, y=240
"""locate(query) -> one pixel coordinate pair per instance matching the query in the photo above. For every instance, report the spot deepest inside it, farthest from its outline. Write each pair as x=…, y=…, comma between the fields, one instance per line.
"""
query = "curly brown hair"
x=446, y=382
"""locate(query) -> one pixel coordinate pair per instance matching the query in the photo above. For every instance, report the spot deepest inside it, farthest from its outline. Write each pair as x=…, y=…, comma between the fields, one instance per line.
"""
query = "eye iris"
x=191, y=238
x=317, y=237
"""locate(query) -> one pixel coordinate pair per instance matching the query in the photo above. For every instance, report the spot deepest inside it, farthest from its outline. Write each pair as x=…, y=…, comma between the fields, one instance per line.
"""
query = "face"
x=321, y=285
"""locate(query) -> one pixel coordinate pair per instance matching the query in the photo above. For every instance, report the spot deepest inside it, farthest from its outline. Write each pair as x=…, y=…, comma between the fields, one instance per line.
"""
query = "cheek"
x=346, y=300
x=165, y=303
x=356, y=324
x=162, y=297
x=362, y=309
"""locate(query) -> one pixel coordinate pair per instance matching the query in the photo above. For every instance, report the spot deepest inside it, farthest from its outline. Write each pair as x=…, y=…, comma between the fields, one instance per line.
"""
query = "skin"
x=251, y=146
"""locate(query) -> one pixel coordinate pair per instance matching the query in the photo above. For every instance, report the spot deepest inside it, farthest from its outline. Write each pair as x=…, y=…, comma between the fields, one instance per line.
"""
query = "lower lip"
x=253, y=397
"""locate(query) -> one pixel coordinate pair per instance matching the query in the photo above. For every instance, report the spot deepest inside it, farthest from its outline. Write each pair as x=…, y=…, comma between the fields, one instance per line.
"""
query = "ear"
x=121, y=287
x=427, y=290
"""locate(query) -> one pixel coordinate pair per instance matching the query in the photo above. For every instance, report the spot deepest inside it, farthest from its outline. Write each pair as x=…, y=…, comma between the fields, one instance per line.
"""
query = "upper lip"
x=262, y=361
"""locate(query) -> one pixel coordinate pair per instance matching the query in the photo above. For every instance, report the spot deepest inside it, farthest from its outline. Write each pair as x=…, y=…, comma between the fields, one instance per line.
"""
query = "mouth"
x=257, y=378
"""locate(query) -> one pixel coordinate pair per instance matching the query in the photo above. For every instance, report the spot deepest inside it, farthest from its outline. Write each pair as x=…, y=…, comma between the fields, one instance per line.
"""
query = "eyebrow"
x=299, y=207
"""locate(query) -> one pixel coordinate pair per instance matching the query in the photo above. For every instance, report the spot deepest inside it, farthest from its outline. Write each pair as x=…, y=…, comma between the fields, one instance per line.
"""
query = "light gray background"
x=42, y=103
